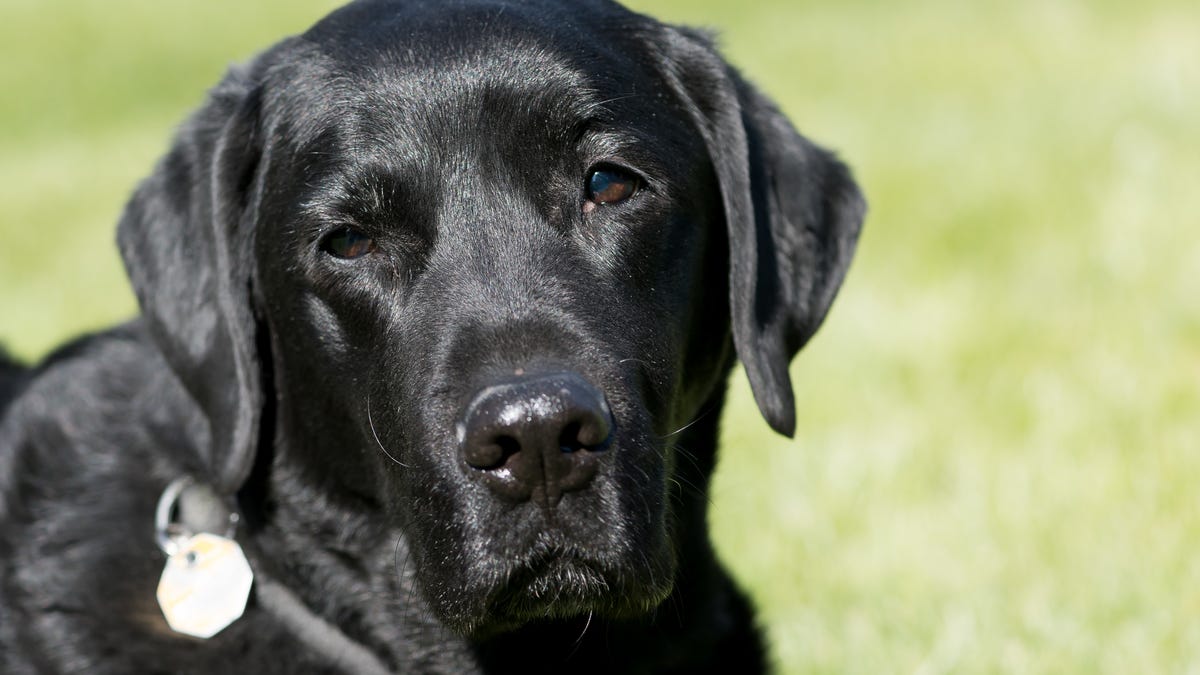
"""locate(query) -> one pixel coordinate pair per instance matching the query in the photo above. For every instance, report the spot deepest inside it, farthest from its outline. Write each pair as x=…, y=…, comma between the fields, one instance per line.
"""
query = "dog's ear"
x=186, y=239
x=792, y=210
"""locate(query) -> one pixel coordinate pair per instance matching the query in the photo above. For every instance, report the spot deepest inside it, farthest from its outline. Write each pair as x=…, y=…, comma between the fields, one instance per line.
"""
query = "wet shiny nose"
x=536, y=437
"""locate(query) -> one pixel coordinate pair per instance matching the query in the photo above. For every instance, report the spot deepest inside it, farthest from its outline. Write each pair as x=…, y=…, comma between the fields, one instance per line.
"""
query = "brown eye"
x=609, y=185
x=347, y=243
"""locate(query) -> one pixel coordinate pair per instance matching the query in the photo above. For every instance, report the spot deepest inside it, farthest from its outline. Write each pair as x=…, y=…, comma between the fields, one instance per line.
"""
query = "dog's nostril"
x=492, y=455
x=508, y=446
x=568, y=442
x=594, y=434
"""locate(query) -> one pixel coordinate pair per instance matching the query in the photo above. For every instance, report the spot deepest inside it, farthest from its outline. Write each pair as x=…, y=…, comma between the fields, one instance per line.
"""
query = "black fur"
x=322, y=394
x=12, y=376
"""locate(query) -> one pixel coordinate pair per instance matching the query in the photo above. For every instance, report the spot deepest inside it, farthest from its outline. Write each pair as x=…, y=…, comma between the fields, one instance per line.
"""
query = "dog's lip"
x=567, y=579
x=545, y=562
x=547, y=557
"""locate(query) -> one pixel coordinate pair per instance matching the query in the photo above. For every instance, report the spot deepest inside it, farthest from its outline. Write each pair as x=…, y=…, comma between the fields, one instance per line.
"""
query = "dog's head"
x=483, y=262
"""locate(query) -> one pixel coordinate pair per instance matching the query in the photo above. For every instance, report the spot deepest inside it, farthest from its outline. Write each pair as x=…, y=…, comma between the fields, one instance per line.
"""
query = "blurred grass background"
x=996, y=468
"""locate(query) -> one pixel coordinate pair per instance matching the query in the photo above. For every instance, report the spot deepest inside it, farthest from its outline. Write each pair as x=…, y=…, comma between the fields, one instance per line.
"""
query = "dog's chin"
x=562, y=586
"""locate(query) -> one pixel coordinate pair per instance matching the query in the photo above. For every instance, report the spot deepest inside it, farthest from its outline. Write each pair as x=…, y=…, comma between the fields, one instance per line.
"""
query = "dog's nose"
x=536, y=437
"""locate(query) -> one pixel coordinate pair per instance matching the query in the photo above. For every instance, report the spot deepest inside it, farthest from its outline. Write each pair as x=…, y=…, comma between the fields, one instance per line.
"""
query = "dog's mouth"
x=562, y=583
x=553, y=584
x=559, y=583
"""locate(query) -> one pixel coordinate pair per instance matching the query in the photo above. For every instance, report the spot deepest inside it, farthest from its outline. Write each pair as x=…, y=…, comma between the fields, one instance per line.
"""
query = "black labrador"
x=439, y=300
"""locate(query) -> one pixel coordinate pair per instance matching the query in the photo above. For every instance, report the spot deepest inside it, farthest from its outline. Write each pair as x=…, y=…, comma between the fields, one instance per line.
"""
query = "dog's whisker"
x=579, y=640
x=401, y=570
x=686, y=483
x=683, y=428
x=704, y=413
x=690, y=456
x=615, y=99
x=418, y=611
x=371, y=424
x=396, y=560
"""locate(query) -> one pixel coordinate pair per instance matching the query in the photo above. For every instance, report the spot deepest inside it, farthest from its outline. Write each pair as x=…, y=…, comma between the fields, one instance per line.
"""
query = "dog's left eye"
x=347, y=243
x=609, y=185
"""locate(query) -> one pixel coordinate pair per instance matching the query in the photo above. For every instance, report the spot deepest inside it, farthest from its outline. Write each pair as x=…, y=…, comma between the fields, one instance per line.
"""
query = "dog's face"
x=489, y=225
x=485, y=261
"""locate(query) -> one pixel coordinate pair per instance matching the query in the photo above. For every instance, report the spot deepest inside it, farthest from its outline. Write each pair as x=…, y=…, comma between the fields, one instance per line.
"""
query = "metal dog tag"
x=205, y=585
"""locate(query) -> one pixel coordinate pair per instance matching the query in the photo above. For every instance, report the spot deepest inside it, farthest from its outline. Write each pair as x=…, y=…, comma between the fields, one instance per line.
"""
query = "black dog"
x=441, y=299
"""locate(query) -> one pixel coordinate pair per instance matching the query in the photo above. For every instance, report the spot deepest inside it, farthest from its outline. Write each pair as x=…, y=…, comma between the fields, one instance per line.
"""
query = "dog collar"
x=207, y=580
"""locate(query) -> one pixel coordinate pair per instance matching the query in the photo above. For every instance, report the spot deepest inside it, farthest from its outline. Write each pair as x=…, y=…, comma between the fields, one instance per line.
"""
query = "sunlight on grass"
x=996, y=466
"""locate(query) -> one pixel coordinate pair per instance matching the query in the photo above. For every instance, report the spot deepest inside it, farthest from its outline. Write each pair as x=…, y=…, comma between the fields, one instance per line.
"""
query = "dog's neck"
x=197, y=509
x=335, y=560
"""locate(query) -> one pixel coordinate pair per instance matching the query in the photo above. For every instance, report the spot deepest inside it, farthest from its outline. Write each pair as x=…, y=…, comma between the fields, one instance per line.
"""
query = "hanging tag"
x=205, y=585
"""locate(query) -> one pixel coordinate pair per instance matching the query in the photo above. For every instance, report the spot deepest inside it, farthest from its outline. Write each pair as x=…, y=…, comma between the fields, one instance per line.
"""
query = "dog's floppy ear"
x=186, y=240
x=792, y=210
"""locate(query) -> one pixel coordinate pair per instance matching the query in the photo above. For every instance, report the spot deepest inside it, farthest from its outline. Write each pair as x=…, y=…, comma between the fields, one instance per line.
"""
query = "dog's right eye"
x=609, y=185
x=347, y=243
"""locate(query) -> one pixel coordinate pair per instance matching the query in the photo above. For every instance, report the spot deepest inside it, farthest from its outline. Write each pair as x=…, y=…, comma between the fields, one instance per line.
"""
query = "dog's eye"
x=347, y=243
x=609, y=185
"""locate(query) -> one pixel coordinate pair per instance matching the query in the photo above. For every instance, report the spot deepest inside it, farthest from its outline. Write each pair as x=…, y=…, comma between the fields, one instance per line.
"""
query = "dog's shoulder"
x=84, y=445
x=96, y=431
x=96, y=406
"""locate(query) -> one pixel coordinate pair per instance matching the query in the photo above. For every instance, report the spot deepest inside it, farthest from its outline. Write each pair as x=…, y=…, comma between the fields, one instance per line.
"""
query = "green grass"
x=996, y=467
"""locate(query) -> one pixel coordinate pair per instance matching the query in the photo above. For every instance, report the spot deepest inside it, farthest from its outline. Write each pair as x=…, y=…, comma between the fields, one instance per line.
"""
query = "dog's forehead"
x=418, y=48
x=441, y=26
x=404, y=67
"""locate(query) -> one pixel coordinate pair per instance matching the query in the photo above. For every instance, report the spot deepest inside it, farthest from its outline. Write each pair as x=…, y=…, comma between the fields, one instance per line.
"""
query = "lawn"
x=997, y=464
